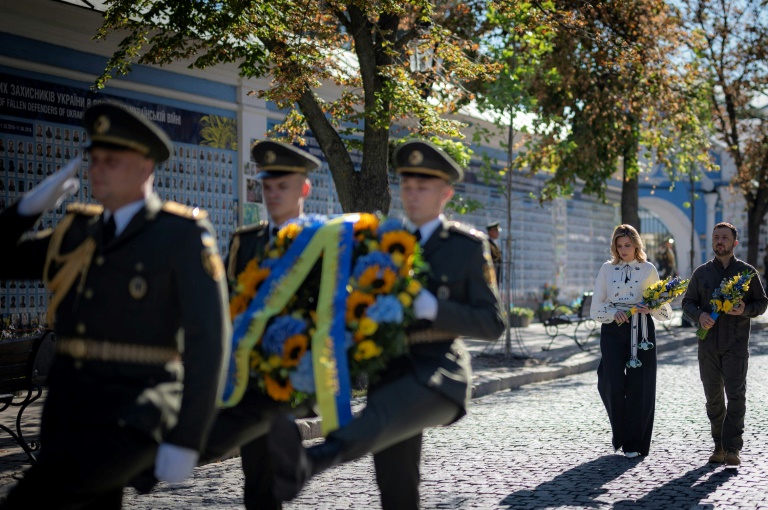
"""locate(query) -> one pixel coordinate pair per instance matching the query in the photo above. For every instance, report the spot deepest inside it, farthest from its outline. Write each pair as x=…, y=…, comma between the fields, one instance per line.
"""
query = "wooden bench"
x=573, y=322
x=24, y=365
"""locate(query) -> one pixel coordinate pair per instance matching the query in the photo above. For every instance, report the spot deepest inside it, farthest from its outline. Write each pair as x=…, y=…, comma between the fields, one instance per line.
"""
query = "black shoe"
x=292, y=466
x=145, y=481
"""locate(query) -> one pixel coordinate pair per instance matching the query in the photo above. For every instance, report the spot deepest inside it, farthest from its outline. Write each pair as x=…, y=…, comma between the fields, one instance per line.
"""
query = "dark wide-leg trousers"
x=628, y=394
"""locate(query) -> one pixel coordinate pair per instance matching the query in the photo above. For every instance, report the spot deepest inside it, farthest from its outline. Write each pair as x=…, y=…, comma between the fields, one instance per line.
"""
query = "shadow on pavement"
x=577, y=487
x=683, y=492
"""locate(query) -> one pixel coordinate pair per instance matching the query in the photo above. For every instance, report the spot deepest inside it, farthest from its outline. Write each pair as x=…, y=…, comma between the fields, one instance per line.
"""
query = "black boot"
x=293, y=464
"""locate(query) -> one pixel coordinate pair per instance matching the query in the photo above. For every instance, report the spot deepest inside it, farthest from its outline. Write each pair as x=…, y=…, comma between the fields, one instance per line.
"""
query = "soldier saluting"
x=431, y=385
x=138, y=288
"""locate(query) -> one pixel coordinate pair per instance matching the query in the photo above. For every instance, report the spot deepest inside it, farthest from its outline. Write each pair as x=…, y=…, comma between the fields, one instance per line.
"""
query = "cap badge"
x=415, y=158
x=270, y=157
x=102, y=125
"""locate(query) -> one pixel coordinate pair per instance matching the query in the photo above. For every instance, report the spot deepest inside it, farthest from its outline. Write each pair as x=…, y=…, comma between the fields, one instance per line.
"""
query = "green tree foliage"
x=362, y=50
x=607, y=82
x=733, y=44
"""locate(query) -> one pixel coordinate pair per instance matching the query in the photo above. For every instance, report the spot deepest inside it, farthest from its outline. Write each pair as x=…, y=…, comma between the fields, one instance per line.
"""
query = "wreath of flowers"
x=386, y=266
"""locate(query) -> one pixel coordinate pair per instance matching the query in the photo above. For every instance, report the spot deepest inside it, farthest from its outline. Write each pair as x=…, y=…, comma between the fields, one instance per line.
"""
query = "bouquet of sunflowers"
x=385, y=280
x=377, y=280
x=726, y=296
x=661, y=293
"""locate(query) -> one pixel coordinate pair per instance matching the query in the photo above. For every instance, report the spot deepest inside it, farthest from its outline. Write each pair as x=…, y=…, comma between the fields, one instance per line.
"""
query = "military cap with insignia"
x=425, y=159
x=276, y=159
x=493, y=224
x=113, y=125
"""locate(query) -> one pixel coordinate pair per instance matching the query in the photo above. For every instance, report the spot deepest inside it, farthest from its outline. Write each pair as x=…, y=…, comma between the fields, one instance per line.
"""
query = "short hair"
x=625, y=230
x=725, y=224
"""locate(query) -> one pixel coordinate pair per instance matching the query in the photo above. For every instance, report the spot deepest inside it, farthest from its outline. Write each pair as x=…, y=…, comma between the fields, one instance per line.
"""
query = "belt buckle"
x=77, y=348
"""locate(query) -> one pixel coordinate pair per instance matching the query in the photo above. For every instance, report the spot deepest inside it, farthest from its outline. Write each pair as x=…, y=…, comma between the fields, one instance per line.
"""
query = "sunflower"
x=367, y=349
x=379, y=281
x=290, y=231
x=398, y=241
x=278, y=390
x=237, y=305
x=293, y=349
x=357, y=303
x=250, y=279
x=368, y=222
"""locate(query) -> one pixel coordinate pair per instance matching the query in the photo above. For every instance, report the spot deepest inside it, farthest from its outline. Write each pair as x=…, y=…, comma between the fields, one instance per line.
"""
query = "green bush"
x=521, y=311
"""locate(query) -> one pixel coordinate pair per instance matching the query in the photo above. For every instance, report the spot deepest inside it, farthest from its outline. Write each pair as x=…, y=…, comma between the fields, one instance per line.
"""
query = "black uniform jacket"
x=248, y=242
x=461, y=276
x=161, y=283
x=730, y=332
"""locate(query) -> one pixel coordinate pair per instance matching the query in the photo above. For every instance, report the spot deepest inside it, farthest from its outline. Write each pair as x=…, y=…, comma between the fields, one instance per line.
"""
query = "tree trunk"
x=756, y=214
x=336, y=153
x=630, y=200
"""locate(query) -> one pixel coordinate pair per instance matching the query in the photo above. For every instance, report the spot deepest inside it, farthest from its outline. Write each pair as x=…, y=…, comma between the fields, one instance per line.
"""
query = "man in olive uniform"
x=283, y=173
x=431, y=385
x=138, y=288
x=493, y=234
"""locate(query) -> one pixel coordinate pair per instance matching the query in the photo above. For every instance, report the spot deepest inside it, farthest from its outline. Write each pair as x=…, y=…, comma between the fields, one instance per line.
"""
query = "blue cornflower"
x=386, y=309
x=303, y=377
x=281, y=329
x=391, y=225
x=383, y=260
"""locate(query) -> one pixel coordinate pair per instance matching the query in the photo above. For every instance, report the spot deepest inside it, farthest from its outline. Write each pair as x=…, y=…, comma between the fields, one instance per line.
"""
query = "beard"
x=722, y=251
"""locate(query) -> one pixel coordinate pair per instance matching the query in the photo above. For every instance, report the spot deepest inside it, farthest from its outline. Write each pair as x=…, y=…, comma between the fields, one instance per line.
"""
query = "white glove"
x=50, y=193
x=174, y=463
x=425, y=305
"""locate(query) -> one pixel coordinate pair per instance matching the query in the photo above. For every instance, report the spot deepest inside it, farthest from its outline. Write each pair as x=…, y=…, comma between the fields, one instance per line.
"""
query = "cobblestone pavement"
x=546, y=445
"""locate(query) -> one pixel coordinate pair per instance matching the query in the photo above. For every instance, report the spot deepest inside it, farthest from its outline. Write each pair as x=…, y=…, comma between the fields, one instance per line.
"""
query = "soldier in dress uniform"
x=283, y=173
x=138, y=289
x=431, y=385
x=493, y=234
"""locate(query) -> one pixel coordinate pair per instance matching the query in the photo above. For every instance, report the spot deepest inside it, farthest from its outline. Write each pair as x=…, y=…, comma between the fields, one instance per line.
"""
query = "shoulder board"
x=192, y=213
x=253, y=227
x=85, y=209
x=465, y=230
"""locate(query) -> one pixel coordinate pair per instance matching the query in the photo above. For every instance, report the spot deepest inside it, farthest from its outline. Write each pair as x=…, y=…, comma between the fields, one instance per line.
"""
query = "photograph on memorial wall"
x=41, y=130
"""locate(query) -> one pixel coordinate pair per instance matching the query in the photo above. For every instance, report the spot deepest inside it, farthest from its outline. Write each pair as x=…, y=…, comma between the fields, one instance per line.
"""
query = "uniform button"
x=80, y=328
x=88, y=293
x=444, y=278
x=100, y=260
x=139, y=266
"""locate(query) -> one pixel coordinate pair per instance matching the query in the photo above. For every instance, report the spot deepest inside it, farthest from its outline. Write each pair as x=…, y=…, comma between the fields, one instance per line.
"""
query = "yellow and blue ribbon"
x=334, y=242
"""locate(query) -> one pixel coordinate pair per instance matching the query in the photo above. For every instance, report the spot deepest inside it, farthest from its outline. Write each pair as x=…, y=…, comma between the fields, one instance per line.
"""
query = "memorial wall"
x=41, y=130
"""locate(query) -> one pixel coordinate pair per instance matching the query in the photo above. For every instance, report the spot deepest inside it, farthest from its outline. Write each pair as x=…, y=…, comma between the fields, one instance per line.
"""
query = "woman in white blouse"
x=626, y=377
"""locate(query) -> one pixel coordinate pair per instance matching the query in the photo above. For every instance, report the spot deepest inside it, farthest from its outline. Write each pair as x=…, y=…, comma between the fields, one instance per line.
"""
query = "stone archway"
x=679, y=226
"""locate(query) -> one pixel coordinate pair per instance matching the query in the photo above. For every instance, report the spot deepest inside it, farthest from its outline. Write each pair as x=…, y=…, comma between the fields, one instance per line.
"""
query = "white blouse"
x=620, y=286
